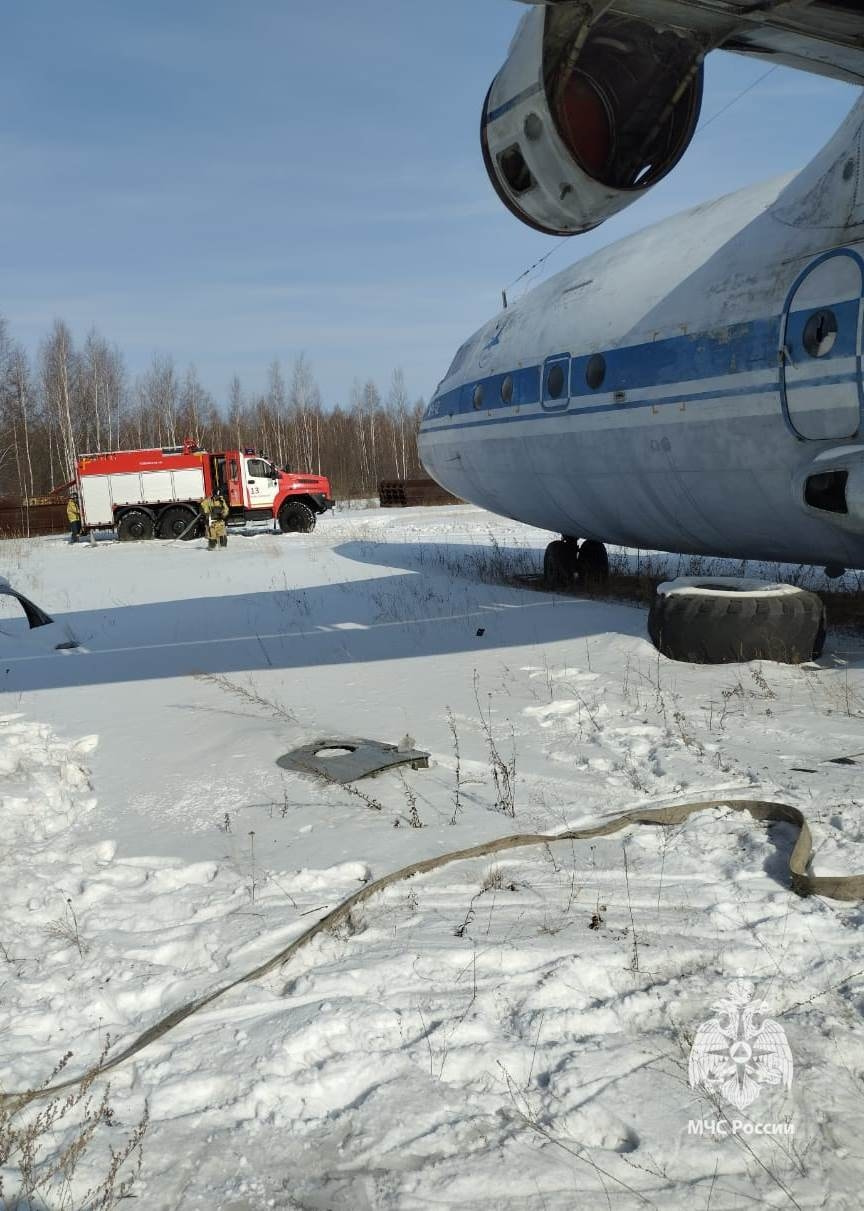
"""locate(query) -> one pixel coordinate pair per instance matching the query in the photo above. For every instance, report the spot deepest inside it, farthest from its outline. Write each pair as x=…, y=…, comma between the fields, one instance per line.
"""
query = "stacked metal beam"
x=406, y=492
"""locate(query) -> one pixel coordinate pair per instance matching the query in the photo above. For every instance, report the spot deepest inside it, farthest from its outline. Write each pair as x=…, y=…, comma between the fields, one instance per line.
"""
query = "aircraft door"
x=556, y=383
x=820, y=350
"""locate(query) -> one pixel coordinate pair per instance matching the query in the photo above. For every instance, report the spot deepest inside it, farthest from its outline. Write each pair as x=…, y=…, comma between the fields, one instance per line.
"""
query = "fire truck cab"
x=156, y=493
x=248, y=481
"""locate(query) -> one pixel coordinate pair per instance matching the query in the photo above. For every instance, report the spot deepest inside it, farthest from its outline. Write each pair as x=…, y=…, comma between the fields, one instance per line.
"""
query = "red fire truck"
x=157, y=493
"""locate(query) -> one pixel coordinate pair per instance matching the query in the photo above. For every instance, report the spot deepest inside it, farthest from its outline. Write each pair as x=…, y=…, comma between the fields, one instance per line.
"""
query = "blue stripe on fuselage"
x=494, y=114
x=671, y=361
x=772, y=388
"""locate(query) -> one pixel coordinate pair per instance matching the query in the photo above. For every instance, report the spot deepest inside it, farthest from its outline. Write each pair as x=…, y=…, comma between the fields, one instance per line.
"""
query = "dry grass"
x=503, y=769
x=42, y=1151
x=67, y=930
x=844, y=606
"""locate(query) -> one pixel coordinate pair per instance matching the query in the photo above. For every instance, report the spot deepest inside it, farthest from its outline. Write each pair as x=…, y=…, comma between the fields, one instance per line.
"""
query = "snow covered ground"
x=499, y=1034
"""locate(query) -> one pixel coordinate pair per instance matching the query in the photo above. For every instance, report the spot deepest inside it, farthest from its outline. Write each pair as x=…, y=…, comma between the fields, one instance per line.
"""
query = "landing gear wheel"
x=177, y=523
x=296, y=518
x=592, y=564
x=559, y=564
x=727, y=619
x=135, y=526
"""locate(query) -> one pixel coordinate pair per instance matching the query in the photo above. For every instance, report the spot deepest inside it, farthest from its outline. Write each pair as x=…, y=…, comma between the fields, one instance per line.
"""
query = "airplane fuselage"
x=696, y=388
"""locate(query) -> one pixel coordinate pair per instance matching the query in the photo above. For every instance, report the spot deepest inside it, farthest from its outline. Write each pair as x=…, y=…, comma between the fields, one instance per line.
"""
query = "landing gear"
x=567, y=560
x=559, y=563
x=592, y=564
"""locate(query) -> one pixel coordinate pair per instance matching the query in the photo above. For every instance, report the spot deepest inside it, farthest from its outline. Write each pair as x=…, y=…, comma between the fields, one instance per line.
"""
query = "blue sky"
x=230, y=183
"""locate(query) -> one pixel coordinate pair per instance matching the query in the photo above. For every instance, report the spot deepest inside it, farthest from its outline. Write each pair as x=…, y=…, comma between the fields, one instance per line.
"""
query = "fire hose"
x=801, y=882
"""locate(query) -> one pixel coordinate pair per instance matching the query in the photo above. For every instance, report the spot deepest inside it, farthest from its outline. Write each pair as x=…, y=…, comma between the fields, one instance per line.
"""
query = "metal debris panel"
x=347, y=759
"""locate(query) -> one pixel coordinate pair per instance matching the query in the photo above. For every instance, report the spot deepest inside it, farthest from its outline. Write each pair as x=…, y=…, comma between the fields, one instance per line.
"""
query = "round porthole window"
x=507, y=389
x=533, y=127
x=820, y=333
x=595, y=371
x=478, y=396
x=555, y=382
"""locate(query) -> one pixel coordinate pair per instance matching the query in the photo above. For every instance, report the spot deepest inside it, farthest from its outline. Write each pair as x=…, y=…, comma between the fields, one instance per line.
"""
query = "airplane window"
x=507, y=389
x=595, y=371
x=478, y=396
x=820, y=333
x=533, y=127
x=555, y=381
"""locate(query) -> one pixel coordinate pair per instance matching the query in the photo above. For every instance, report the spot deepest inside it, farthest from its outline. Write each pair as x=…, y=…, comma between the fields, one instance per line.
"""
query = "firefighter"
x=73, y=514
x=215, y=511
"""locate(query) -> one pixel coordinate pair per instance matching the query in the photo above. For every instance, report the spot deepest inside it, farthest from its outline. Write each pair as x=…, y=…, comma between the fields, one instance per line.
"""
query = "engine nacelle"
x=587, y=115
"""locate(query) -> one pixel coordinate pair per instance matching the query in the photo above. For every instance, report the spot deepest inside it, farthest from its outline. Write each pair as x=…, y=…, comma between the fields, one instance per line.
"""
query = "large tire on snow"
x=176, y=522
x=135, y=526
x=728, y=619
x=296, y=518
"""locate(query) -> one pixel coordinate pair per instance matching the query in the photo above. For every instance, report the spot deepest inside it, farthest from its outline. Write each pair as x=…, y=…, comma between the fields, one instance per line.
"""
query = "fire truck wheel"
x=135, y=525
x=296, y=518
x=176, y=523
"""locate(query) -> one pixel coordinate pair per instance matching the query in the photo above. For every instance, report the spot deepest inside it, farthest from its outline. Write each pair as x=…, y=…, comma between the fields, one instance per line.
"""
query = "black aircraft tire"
x=135, y=526
x=296, y=518
x=559, y=564
x=729, y=619
x=592, y=564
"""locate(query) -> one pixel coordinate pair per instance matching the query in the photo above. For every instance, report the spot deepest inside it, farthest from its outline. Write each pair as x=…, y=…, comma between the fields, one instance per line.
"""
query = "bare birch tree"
x=397, y=406
x=159, y=392
x=73, y=401
x=58, y=374
x=235, y=412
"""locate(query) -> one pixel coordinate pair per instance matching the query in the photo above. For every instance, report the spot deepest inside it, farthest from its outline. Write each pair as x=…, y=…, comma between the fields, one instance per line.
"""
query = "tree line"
x=66, y=401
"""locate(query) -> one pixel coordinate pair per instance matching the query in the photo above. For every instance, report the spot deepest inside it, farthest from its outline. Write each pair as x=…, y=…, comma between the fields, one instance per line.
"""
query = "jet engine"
x=587, y=114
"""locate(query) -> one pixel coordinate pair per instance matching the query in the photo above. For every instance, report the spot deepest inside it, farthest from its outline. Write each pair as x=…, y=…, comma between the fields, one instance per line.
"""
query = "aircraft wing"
x=825, y=37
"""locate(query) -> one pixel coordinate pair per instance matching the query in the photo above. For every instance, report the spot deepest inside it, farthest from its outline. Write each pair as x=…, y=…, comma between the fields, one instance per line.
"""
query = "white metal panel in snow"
x=126, y=489
x=189, y=484
x=96, y=501
x=156, y=486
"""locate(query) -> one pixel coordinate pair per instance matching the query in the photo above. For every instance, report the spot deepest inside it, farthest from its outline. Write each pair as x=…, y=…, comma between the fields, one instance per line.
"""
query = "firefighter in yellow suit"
x=73, y=516
x=215, y=510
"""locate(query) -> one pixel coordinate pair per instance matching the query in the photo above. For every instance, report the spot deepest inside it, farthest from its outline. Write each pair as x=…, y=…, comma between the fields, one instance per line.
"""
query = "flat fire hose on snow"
x=835, y=887
x=193, y=522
